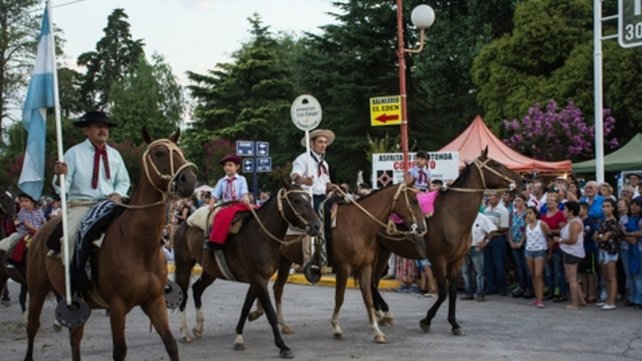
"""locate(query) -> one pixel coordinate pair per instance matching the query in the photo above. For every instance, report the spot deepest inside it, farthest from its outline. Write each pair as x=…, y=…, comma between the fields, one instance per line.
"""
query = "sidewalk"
x=327, y=280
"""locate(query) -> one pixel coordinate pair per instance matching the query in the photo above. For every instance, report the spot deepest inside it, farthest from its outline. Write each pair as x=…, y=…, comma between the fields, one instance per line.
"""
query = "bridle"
x=283, y=195
x=151, y=169
x=481, y=166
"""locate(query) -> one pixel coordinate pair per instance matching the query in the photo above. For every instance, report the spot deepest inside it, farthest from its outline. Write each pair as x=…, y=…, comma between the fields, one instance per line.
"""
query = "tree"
x=115, y=55
x=19, y=25
x=556, y=134
x=69, y=82
x=149, y=95
x=549, y=56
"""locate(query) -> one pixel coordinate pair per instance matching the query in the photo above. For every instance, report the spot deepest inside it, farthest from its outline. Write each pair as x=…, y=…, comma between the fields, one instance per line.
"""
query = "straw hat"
x=328, y=134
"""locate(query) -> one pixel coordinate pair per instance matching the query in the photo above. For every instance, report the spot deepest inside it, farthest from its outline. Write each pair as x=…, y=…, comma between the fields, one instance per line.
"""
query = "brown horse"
x=129, y=269
x=252, y=255
x=449, y=232
x=7, y=216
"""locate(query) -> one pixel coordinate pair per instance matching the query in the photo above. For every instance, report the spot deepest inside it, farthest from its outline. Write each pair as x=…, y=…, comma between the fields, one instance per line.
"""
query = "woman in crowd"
x=537, y=233
x=517, y=240
x=571, y=241
x=554, y=268
x=631, y=257
x=607, y=238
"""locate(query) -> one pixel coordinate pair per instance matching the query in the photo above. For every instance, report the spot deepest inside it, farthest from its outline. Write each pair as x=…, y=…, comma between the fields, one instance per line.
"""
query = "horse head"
x=295, y=206
x=166, y=168
x=406, y=206
x=495, y=175
x=7, y=202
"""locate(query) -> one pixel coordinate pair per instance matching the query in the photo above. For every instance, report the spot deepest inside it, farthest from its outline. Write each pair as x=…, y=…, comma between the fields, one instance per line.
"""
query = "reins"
x=480, y=166
x=283, y=194
x=170, y=178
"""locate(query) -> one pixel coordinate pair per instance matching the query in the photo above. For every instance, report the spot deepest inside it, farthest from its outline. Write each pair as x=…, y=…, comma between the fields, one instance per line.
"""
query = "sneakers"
x=607, y=307
x=599, y=304
x=539, y=304
x=517, y=293
x=480, y=298
x=466, y=297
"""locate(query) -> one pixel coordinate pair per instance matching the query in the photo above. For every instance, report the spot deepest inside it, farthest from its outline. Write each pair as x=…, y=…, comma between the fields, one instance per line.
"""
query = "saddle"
x=16, y=254
x=203, y=219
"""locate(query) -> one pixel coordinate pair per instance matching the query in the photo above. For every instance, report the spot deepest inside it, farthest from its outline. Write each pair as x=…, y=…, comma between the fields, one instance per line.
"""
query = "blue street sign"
x=245, y=148
x=264, y=164
x=262, y=149
x=248, y=165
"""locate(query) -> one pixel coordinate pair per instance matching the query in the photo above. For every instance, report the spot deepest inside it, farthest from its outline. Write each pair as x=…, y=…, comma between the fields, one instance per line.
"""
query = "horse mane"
x=375, y=191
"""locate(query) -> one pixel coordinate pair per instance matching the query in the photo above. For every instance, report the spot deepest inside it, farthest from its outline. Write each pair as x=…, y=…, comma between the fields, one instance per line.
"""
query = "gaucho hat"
x=95, y=117
x=232, y=157
x=328, y=134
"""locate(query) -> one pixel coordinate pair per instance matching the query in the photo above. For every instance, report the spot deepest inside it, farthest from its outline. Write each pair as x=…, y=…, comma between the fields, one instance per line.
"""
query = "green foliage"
x=149, y=95
x=115, y=55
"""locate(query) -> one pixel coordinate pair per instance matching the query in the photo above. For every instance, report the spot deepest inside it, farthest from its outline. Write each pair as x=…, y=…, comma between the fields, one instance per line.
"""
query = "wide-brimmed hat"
x=328, y=134
x=94, y=117
x=232, y=157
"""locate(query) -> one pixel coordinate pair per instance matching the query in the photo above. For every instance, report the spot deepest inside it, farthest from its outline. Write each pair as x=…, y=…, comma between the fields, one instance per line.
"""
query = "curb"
x=327, y=280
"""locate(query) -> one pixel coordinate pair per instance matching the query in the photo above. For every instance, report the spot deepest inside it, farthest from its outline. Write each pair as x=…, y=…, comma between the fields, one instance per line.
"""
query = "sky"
x=191, y=34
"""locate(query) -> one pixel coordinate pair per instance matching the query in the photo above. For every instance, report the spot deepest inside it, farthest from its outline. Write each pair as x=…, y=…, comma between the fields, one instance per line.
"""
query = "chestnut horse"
x=449, y=232
x=129, y=269
x=252, y=256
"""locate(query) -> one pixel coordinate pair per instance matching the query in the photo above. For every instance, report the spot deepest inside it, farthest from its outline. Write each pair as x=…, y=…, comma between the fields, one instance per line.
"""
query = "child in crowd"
x=588, y=267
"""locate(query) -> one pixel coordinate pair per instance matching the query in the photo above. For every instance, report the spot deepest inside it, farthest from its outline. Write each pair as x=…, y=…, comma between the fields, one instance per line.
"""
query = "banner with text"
x=387, y=168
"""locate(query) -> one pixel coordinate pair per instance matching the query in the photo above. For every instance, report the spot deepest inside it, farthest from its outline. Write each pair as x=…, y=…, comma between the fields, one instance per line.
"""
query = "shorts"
x=588, y=265
x=422, y=263
x=535, y=254
x=605, y=257
x=570, y=259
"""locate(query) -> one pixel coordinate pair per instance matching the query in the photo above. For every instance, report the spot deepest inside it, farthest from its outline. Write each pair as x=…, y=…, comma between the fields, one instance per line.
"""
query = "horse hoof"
x=185, y=339
x=286, y=354
x=287, y=330
x=197, y=333
x=337, y=336
x=380, y=339
x=239, y=347
x=253, y=316
x=458, y=332
x=424, y=327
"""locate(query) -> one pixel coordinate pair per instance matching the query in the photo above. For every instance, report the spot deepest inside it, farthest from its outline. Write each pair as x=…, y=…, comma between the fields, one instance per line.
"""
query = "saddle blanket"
x=18, y=252
x=202, y=217
x=427, y=201
x=223, y=220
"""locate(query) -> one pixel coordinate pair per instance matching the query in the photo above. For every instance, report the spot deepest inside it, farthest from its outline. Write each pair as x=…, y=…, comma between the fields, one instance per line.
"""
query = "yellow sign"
x=385, y=110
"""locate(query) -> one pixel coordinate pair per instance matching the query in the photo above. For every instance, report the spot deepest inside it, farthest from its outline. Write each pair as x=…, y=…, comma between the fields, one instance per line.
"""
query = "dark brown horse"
x=449, y=232
x=252, y=255
x=129, y=269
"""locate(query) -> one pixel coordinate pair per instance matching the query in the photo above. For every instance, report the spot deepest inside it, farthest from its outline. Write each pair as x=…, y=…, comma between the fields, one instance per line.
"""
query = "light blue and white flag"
x=40, y=96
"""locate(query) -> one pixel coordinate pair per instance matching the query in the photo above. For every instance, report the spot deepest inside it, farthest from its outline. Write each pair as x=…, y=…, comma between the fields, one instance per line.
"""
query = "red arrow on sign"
x=384, y=118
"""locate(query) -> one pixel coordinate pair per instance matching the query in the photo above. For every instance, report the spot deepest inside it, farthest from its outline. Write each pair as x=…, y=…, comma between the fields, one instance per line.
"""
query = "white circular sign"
x=306, y=112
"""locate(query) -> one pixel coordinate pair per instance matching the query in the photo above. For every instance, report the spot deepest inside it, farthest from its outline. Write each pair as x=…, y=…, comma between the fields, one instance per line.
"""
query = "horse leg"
x=197, y=291
x=365, y=282
x=157, y=313
x=339, y=294
x=181, y=277
x=264, y=298
x=117, y=312
x=441, y=285
x=36, y=301
x=381, y=307
x=75, y=336
x=250, y=296
x=284, y=272
x=452, y=300
x=23, y=297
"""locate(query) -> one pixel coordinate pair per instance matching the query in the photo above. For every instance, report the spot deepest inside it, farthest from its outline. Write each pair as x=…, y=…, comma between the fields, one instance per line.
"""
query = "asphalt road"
x=501, y=328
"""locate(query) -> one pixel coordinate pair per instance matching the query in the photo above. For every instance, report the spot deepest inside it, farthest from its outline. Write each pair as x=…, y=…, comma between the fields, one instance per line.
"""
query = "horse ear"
x=146, y=137
x=285, y=181
x=174, y=137
x=484, y=153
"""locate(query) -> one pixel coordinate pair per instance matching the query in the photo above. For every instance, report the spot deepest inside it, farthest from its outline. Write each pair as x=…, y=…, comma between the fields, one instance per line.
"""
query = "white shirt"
x=535, y=238
x=80, y=167
x=482, y=226
x=302, y=168
x=576, y=249
x=499, y=215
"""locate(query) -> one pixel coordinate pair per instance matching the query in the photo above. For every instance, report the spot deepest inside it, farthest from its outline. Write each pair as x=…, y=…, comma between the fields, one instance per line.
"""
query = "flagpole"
x=63, y=185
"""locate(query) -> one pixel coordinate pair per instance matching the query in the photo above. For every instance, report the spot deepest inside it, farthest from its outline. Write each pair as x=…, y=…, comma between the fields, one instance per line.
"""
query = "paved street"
x=501, y=328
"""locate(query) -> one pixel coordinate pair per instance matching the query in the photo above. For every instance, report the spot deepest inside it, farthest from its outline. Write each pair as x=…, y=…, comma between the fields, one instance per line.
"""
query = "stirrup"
x=312, y=272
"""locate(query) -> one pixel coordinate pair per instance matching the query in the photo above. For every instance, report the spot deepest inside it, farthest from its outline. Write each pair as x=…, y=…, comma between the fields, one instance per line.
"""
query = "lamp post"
x=422, y=18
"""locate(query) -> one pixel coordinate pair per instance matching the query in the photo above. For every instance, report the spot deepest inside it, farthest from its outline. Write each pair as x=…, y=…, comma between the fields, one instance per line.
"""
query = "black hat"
x=422, y=154
x=232, y=157
x=94, y=116
x=26, y=195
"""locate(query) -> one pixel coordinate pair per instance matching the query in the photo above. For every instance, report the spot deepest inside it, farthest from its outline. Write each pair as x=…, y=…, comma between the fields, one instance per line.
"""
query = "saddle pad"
x=202, y=217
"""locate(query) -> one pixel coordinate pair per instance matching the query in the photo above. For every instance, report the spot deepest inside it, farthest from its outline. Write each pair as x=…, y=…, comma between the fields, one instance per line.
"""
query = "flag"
x=40, y=96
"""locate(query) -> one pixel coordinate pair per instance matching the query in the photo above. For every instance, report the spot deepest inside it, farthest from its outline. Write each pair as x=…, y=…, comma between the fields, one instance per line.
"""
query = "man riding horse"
x=87, y=185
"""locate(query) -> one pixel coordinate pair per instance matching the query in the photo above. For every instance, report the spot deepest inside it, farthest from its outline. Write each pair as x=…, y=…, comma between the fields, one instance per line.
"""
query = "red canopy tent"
x=470, y=143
